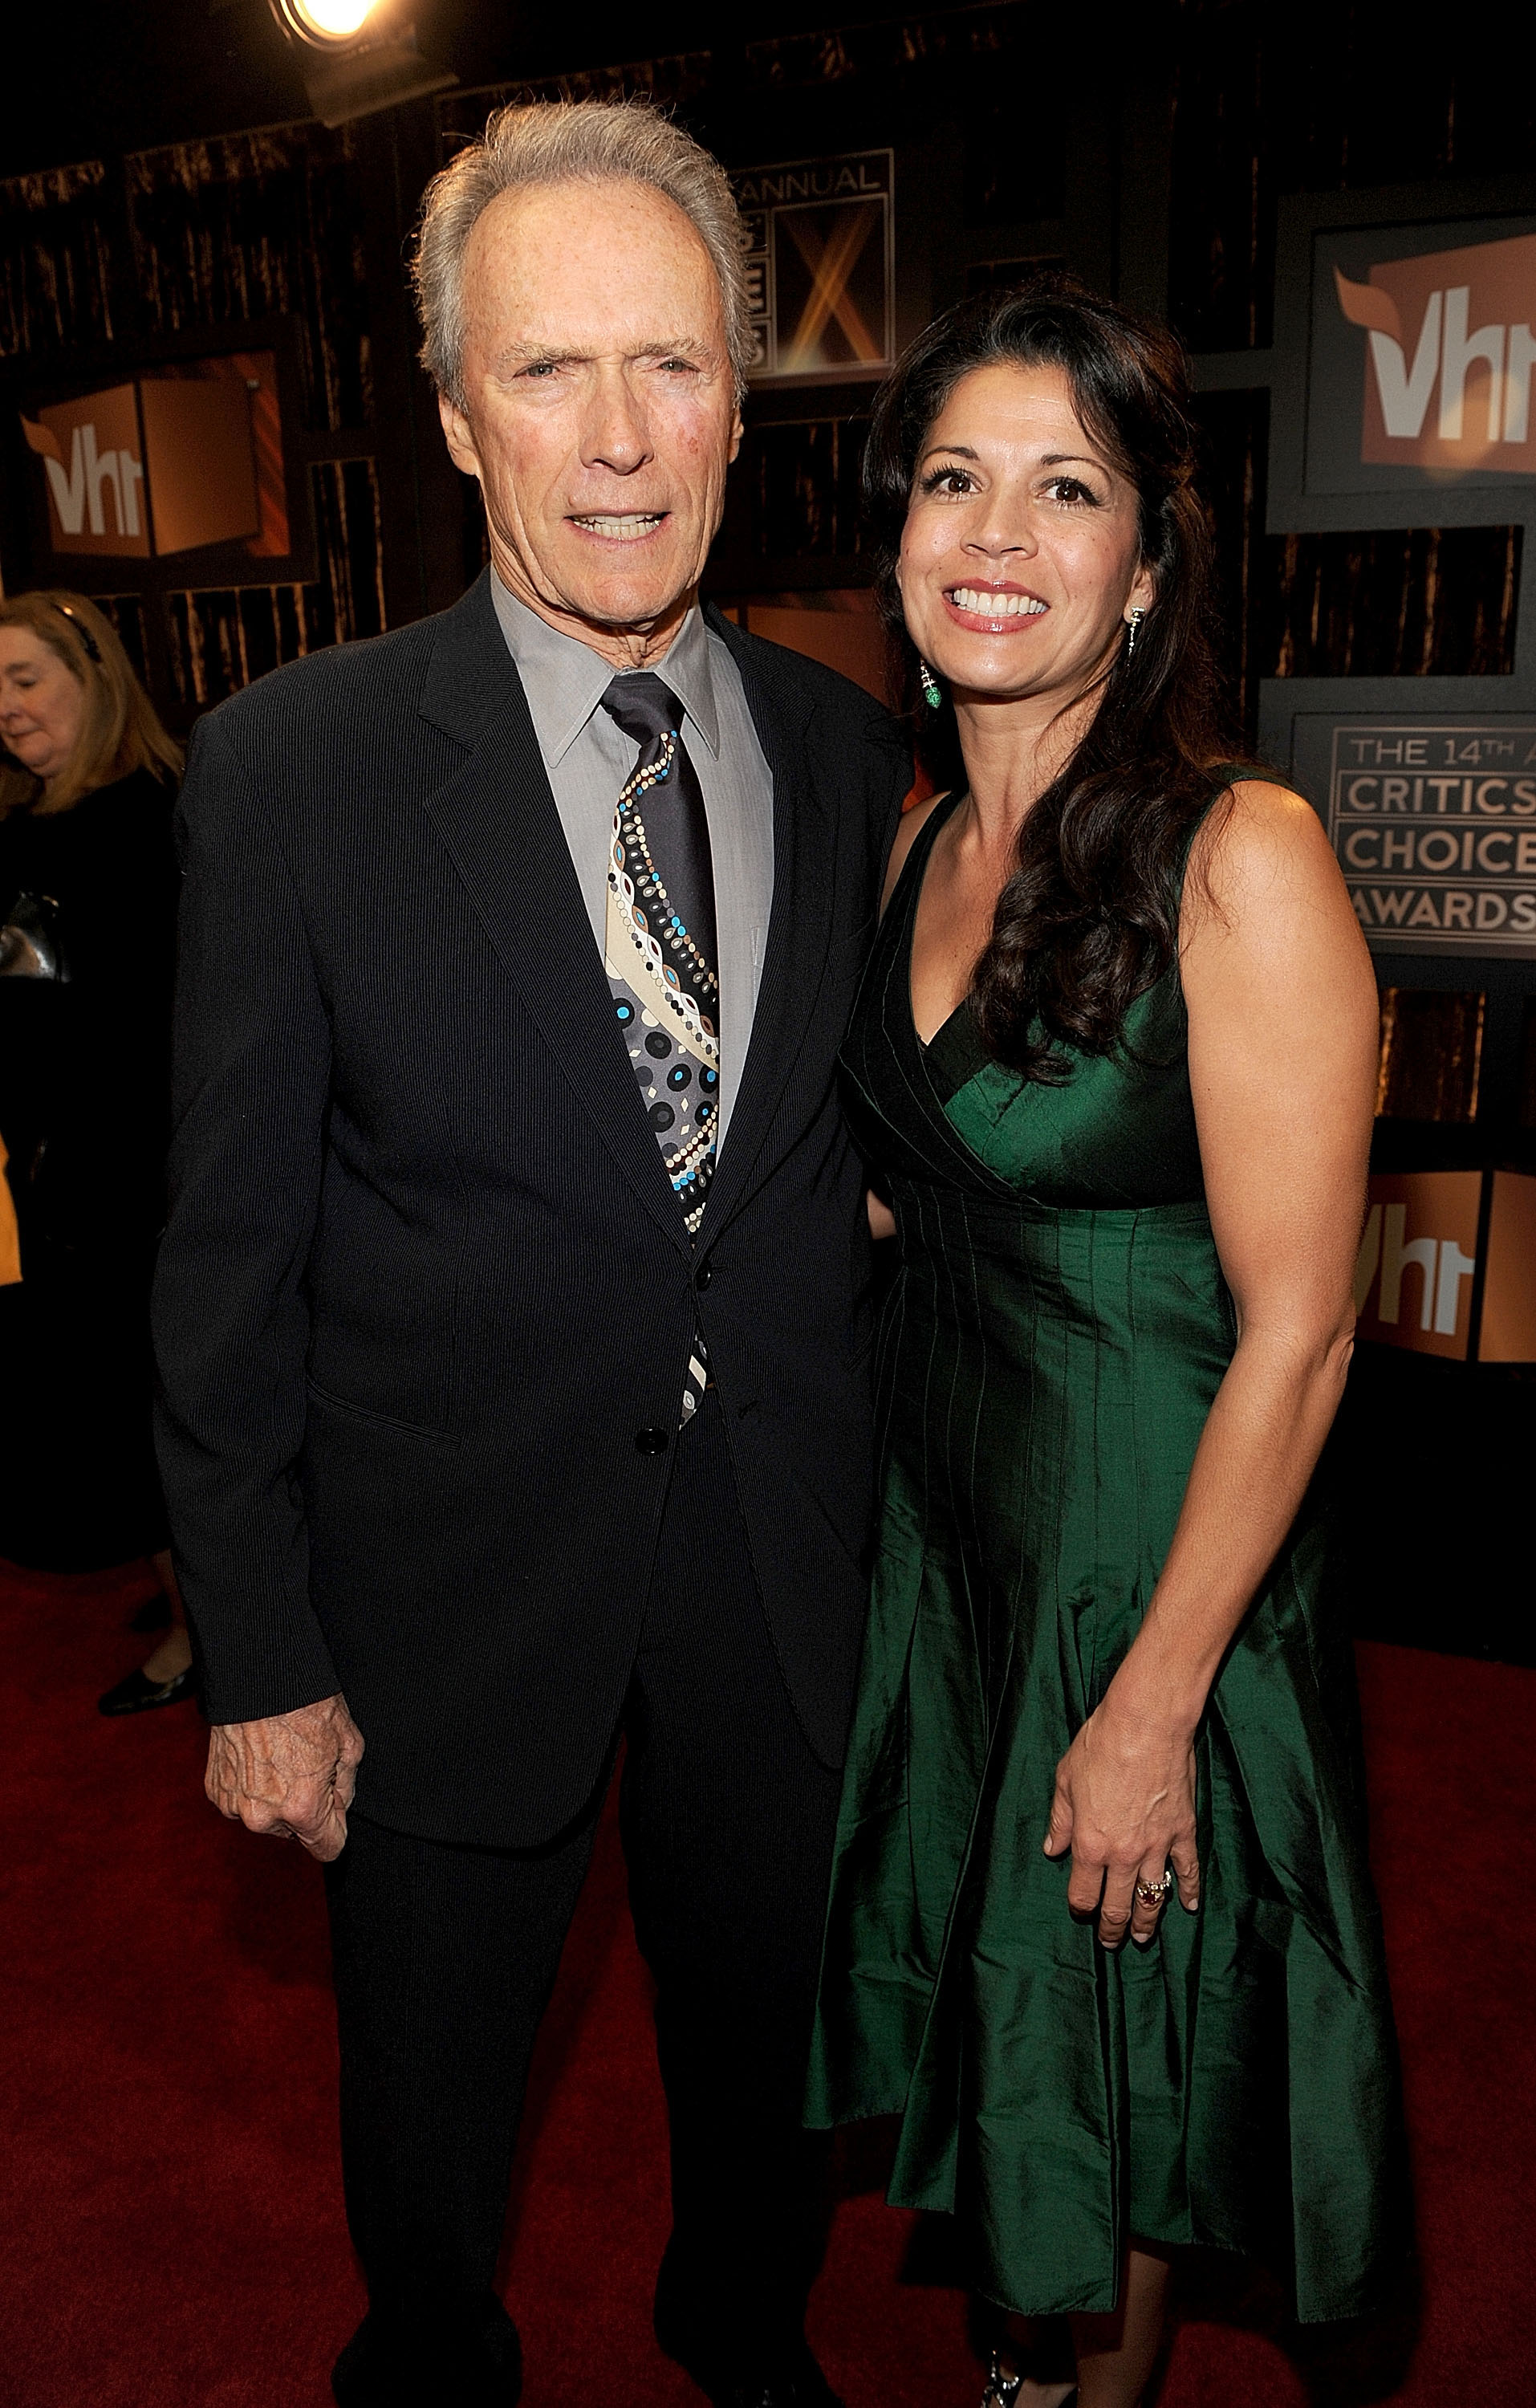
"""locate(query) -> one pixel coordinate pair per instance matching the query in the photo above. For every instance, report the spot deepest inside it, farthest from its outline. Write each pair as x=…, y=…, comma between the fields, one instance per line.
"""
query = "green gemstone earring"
x=932, y=693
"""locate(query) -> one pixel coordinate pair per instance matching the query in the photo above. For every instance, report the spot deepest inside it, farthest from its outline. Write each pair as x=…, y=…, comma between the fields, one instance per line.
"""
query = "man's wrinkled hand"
x=291, y=1775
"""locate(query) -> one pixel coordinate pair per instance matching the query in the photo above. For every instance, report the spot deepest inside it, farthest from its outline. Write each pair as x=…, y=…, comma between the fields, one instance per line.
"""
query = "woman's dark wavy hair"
x=1089, y=919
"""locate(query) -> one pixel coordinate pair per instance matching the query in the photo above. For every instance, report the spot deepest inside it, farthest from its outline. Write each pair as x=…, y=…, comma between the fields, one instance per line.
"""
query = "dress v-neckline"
x=926, y=1044
x=953, y=1054
x=917, y=861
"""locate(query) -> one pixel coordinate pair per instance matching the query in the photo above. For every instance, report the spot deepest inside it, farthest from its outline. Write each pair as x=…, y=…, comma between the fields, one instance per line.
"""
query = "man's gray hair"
x=559, y=142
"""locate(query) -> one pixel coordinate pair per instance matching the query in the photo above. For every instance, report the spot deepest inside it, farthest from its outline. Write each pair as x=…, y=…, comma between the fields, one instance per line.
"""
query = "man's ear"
x=459, y=436
x=737, y=430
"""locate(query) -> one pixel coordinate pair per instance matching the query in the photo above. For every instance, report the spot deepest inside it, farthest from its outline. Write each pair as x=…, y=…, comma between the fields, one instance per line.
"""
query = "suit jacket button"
x=702, y=1277
x=650, y=1441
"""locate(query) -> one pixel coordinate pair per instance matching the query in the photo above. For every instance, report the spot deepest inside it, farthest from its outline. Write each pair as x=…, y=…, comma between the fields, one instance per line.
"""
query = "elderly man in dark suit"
x=513, y=1311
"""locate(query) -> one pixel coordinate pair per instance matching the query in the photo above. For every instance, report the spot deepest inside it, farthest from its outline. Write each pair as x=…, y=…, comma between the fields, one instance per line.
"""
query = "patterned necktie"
x=661, y=947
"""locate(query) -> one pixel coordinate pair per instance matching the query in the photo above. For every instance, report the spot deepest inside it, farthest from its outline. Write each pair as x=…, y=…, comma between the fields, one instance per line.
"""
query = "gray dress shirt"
x=588, y=758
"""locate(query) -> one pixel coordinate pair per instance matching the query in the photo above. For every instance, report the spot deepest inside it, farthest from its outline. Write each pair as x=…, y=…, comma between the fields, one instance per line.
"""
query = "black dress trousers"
x=445, y=1957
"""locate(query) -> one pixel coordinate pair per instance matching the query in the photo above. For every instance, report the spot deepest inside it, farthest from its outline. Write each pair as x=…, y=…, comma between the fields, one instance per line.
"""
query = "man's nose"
x=615, y=435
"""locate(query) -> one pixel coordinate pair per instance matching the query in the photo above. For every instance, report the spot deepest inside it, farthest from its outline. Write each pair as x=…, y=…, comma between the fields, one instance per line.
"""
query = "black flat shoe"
x=476, y=2363
x=136, y=1694
x=791, y=2391
x=800, y=2386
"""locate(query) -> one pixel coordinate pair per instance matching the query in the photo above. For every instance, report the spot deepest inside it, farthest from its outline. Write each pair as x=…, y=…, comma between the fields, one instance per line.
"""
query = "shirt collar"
x=564, y=679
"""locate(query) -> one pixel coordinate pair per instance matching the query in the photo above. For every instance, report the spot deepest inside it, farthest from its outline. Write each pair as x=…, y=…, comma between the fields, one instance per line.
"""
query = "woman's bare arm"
x=1283, y=1048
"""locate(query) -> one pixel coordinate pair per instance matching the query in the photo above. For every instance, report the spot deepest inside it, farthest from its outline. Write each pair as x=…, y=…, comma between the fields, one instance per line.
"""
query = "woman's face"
x=42, y=703
x=1019, y=558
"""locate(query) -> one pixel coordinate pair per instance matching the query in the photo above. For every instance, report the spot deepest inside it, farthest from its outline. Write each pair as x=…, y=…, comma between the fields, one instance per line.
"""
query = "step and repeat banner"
x=1405, y=348
x=1400, y=396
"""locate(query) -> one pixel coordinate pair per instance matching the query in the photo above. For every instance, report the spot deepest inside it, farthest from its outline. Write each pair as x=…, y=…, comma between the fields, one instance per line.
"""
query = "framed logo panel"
x=1421, y=355
x=821, y=269
x=182, y=471
x=1433, y=820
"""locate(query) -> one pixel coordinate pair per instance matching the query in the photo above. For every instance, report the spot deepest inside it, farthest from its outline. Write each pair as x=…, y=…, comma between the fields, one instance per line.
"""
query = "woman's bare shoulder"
x=1266, y=899
x=912, y=823
x=1261, y=836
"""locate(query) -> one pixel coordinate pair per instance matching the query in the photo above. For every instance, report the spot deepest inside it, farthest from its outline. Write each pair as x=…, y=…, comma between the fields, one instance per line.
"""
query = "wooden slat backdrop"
x=212, y=234
x=1265, y=102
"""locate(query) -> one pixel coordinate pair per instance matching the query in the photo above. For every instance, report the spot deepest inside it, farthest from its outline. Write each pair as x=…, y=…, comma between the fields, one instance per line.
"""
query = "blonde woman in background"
x=88, y=890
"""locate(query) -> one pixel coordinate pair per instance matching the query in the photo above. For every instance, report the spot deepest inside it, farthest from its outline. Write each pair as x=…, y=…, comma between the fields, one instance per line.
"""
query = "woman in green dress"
x=1102, y=1933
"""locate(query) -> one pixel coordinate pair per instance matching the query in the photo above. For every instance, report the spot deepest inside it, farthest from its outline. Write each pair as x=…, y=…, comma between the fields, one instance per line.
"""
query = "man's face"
x=600, y=411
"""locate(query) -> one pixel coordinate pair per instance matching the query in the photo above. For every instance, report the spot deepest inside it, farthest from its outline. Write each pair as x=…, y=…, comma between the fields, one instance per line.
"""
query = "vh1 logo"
x=163, y=464
x=1418, y=1261
x=1414, y=1278
x=1451, y=354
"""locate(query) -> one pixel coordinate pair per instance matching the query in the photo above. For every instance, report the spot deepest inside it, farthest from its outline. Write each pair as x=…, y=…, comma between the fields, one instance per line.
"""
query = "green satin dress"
x=1049, y=1352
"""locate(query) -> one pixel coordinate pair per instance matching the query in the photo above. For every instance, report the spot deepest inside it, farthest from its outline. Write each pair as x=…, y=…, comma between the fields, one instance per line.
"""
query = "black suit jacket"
x=425, y=1297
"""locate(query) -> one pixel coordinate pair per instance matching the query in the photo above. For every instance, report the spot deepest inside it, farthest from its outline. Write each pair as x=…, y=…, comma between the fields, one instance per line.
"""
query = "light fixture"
x=327, y=25
x=351, y=65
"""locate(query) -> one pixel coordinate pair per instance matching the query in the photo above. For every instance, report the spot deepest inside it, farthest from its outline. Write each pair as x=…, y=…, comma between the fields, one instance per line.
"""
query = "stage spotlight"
x=327, y=23
x=351, y=63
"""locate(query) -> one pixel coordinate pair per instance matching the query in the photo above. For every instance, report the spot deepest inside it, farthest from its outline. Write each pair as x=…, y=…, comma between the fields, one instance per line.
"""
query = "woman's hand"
x=1124, y=1806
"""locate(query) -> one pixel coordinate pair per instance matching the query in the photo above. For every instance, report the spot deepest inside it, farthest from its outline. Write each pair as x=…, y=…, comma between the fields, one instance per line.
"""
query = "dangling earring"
x=1133, y=626
x=932, y=693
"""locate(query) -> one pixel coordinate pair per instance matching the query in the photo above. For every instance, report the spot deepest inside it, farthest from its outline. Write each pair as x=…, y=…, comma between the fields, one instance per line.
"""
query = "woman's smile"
x=993, y=609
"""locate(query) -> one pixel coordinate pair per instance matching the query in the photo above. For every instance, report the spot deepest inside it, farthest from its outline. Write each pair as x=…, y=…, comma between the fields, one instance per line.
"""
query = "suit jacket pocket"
x=382, y=1421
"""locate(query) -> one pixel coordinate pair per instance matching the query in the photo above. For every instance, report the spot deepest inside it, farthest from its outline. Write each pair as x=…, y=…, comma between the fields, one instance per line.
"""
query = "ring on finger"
x=1155, y=1892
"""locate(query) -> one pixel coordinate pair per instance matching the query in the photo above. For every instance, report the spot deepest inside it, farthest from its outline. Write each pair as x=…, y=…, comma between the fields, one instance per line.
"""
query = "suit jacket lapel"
x=797, y=926
x=498, y=818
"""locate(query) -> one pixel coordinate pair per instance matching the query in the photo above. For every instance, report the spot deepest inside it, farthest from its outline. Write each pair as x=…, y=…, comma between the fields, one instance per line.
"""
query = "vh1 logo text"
x=167, y=464
x=1418, y=1253
x=1419, y=1258
x=1449, y=353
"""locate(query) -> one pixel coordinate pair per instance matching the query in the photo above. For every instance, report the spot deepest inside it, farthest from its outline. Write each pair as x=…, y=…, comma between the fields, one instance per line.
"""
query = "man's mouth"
x=618, y=527
x=995, y=602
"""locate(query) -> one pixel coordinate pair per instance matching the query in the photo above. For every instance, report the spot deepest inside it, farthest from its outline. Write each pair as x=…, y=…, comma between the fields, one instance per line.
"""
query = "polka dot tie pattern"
x=662, y=953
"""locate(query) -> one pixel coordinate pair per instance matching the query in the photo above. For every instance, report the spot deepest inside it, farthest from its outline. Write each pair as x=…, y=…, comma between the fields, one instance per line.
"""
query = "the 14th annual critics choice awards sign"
x=1435, y=829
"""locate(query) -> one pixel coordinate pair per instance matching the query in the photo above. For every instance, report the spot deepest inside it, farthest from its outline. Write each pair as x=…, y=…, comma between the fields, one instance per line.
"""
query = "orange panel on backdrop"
x=1413, y=1279
x=1508, y=1329
x=853, y=641
x=10, y=1244
x=202, y=469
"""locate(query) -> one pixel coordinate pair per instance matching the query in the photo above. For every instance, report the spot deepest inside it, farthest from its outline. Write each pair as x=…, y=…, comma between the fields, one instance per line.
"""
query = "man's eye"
x=684, y=367
x=539, y=368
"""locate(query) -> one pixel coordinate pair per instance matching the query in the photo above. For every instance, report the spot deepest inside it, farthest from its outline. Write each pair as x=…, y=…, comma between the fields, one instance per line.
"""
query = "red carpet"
x=172, y=2233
